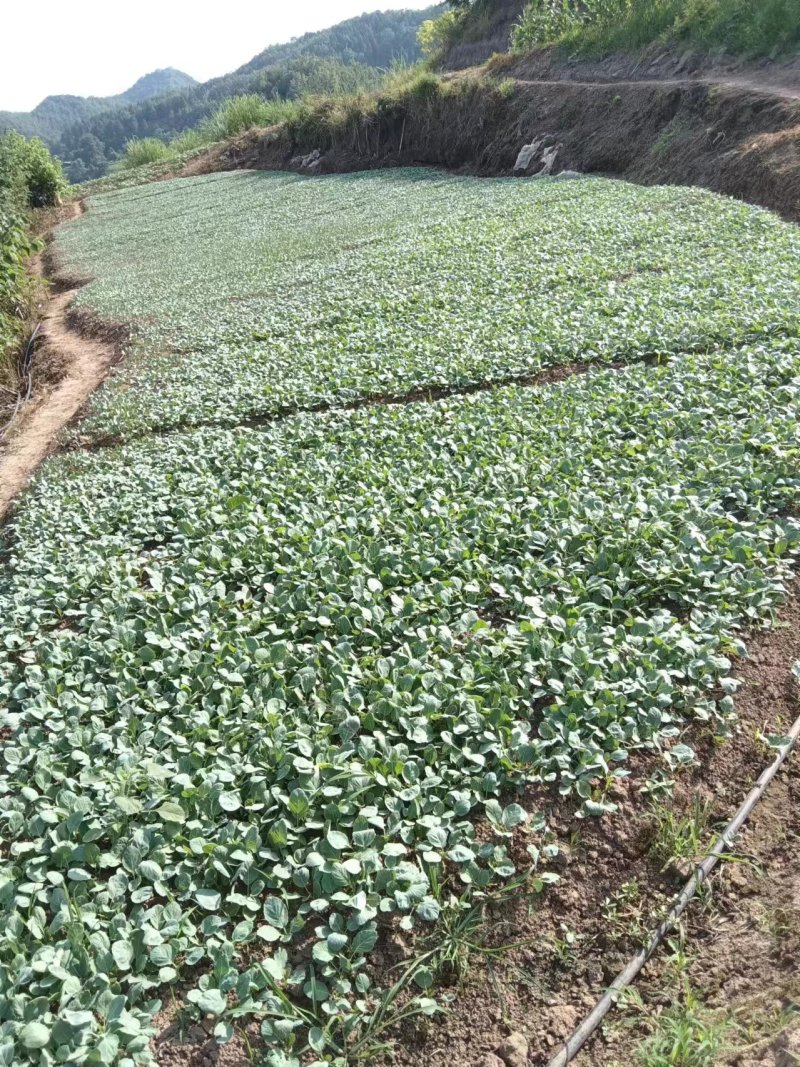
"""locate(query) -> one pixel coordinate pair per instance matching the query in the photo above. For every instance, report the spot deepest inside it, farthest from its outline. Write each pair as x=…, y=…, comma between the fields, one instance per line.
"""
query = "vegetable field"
x=275, y=692
x=259, y=293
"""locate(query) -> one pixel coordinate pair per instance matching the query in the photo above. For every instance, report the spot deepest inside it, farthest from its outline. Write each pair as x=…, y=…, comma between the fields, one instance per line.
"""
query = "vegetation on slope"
x=54, y=114
x=768, y=27
x=253, y=110
x=29, y=178
x=274, y=692
x=468, y=22
x=350, y=56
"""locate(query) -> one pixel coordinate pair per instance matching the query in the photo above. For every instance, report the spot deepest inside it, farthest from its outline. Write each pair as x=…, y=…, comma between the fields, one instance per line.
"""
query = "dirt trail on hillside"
x=83, y=363
x=783, y=92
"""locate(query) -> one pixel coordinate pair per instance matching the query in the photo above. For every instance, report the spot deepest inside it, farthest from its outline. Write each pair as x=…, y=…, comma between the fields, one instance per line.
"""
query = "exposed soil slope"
x=78, y=363
x=725, y=131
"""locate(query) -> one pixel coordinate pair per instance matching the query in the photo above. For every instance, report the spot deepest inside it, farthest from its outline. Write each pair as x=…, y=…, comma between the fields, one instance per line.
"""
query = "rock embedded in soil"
x=514, y=1050
x=490, y=1060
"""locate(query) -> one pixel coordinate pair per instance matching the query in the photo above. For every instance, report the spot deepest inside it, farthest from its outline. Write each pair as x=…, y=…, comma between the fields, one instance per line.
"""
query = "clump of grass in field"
x=687, y=1035
x=246, y=112
x=187, y=142
x=143, y=151
x=680, y=838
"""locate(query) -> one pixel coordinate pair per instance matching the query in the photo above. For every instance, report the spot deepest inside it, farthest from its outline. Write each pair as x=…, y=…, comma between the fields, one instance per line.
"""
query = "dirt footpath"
x=69, y=366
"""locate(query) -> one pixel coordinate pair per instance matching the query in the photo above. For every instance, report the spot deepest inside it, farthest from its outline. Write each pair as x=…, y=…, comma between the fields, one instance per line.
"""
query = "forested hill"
x=345, y=57
x=375, y=39
x=54, y=114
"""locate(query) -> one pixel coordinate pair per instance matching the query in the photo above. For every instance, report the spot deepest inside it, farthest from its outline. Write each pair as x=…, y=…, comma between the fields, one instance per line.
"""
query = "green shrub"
x=29, y=175
x=436, y=36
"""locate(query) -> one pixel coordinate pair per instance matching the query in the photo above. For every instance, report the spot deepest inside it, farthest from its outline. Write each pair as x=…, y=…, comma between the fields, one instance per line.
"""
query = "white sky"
x=100, y=47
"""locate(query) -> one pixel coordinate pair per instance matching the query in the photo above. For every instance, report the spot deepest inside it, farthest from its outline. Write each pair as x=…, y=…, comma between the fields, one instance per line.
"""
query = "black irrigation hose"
x=721, y=846
x=26, y=388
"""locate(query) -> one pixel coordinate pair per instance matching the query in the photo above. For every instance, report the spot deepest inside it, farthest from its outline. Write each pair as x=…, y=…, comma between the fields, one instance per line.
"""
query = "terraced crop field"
x=257, y=293
x=277, y=685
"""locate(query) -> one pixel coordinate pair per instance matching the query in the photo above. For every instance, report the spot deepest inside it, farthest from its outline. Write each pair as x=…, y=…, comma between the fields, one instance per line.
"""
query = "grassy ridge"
x=735, y=26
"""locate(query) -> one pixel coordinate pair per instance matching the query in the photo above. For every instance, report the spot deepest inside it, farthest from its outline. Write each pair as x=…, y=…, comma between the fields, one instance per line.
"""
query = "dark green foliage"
x=377, y=39
x=345, y=58
x=156, y=83
x=49, y=119
x=29, y=177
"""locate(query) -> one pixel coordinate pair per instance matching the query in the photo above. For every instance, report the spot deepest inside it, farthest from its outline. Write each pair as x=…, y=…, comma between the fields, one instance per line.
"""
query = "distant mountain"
x=153, y=84
x=345, y=57
x=49, y=119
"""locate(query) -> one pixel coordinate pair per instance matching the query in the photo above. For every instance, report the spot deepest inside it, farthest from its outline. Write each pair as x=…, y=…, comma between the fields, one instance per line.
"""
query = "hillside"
x=399, y=570
x=343, y=57
x=422, y=523
x=54, y=114
x=375, y=39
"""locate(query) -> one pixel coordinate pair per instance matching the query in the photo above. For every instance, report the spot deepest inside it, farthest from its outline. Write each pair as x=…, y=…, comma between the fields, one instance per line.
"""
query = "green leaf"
x=337, y=840
x=276, y=913
x=170, y=811
x=209, y=899
x=428, y=909
x=34, y=1035
x=513, y=815
x=122, y=951
x=209, y=1001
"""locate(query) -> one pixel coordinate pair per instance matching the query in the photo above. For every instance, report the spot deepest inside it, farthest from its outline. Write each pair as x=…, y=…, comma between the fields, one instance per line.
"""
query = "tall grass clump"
x=737, y=26
x=144, y=150
x=246, y=112
x=359, y=121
